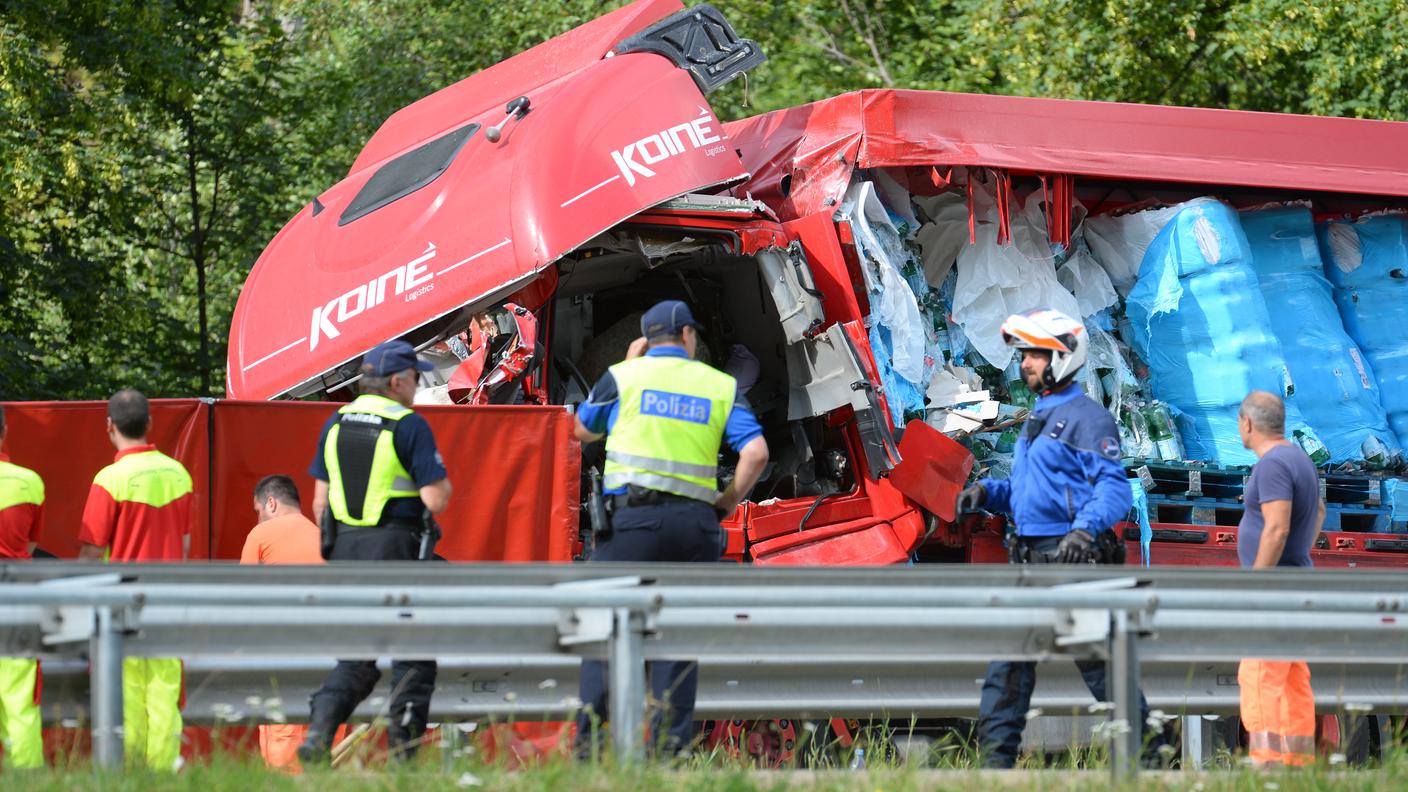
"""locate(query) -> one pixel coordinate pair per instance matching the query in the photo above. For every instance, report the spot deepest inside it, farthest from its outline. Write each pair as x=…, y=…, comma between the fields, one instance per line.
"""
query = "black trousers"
x=671, y=531
x=412, y=681
x=1007, y=691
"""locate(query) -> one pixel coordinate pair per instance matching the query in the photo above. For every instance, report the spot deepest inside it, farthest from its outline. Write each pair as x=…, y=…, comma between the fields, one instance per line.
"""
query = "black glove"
x=971, y=499
x=1077, y=547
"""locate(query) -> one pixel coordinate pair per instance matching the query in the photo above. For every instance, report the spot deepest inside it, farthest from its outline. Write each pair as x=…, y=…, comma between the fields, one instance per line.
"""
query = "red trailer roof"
x=819, y=144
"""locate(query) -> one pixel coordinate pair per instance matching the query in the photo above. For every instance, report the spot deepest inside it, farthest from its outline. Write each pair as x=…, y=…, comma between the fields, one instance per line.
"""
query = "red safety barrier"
x=66, y=443
x=514, y=469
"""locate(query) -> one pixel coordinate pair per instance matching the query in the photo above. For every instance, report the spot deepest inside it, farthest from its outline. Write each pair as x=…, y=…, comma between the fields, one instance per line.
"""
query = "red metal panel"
x=817, y=233
x=621, y=135
x=847, y=544
x=1104, y=139
x=932, y=469
x=66, y=443
x=801, y=158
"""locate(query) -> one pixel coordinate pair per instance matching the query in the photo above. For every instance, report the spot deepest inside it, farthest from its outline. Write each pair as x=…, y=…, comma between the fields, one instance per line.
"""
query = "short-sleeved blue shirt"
x=1285, y=473
x=598, y=413
x=415, y=447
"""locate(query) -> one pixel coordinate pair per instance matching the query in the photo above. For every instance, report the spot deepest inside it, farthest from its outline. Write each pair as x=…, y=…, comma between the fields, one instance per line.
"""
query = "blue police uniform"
x=1066, y=475
x=392, y=537
x=670, y=529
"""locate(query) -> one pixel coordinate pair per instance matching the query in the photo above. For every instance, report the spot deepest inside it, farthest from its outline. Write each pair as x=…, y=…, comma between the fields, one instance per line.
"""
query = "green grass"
x=950, y=768
x=226, y=775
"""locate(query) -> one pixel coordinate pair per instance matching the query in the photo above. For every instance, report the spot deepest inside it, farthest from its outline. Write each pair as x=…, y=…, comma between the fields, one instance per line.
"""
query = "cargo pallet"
x=1200, y=495
x=1227, y=511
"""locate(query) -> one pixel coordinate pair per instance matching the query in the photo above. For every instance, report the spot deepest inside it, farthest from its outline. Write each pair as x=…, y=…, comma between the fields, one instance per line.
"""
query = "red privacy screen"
x=514, y=469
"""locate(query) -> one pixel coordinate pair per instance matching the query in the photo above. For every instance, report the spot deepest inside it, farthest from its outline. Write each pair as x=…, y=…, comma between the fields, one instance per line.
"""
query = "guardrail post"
x=627, y=685
x=106, y=654
x=1123, y=683
x=1197, y=742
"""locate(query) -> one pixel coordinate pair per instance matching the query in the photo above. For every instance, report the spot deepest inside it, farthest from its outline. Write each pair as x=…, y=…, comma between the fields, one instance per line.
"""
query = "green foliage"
x=150, y=149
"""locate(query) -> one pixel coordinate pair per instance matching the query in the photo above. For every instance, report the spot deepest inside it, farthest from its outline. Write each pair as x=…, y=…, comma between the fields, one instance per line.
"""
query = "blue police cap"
x=391, y=357
x=666, y=318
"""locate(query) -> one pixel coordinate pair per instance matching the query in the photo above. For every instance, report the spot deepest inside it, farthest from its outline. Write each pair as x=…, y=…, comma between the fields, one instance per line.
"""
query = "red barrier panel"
x=66, y=443
x=515, y=469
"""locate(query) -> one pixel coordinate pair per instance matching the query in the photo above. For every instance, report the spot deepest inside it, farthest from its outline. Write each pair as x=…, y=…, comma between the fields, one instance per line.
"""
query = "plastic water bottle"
x=858, y=760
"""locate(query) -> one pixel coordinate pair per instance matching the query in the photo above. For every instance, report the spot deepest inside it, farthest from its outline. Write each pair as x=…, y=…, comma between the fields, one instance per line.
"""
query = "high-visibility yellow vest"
x=669, y=423
x=364, y=472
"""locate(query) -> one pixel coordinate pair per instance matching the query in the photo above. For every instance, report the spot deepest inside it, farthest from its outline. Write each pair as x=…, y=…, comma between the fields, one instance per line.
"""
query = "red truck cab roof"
x=435, y=215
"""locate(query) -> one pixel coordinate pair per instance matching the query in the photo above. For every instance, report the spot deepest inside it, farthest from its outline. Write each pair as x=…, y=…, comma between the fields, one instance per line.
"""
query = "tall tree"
x=150, y=149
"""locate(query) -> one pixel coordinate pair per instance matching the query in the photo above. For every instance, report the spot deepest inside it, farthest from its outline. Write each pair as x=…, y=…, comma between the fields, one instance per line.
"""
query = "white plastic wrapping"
x=996, y=281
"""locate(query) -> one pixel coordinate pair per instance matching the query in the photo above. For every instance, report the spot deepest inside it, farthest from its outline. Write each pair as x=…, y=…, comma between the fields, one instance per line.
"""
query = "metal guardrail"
x=823, y=639
x=544, y=688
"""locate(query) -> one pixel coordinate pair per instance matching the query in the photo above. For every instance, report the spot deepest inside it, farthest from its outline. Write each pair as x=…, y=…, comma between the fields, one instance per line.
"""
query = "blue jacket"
x=1070, y=476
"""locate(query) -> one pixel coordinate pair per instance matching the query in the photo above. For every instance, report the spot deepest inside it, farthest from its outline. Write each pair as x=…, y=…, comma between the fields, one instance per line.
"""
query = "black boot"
x=412, y=685
x=322, y=727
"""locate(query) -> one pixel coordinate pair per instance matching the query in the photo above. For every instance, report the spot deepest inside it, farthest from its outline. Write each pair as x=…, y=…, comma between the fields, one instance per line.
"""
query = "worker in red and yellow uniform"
x=21, y=516
x=139, y=509
x=283, y=536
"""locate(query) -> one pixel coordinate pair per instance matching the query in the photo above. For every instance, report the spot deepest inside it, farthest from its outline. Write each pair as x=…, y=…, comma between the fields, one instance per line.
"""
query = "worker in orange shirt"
x=21, y=516
x=282, y=536
x=139, y=509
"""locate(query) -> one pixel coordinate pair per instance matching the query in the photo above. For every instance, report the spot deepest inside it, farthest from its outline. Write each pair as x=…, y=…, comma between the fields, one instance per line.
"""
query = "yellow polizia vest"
x=669, y=424
x=364, y=472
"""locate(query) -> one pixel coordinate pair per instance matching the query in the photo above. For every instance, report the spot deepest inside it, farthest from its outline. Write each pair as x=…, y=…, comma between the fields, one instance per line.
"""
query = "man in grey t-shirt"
x=1283, y=516
x=1284, y=512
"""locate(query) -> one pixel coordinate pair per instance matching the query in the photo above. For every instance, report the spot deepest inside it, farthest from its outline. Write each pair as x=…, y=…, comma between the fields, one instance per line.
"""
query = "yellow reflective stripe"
x=662, y=465
x=19, y=486
x=662, y=483
x=151, y=478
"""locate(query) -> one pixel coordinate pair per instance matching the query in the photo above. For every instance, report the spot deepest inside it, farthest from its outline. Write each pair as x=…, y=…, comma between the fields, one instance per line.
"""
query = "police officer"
x=378, y=472
x=665, y=415
x=1066, y=492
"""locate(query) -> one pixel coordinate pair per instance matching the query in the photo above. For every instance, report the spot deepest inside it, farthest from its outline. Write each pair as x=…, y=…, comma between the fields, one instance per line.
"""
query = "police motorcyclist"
x=377, y=470
x=665, y=416
x=1065, y=494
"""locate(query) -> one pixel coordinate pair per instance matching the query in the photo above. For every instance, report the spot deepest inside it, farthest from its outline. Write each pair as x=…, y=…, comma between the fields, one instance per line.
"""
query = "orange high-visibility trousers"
x=1278, y=711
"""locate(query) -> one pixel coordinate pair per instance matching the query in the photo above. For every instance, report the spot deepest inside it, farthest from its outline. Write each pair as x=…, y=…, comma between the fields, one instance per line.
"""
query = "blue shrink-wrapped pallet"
x=1335, y=387
x=1367, y=263
x=1200, y=322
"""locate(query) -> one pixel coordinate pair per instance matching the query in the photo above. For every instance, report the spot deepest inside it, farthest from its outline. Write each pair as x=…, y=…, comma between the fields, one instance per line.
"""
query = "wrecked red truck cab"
x=574, y=182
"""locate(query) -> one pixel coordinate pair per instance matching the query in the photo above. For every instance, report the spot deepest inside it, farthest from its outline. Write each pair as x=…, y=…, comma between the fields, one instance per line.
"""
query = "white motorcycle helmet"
x=1054, y=332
